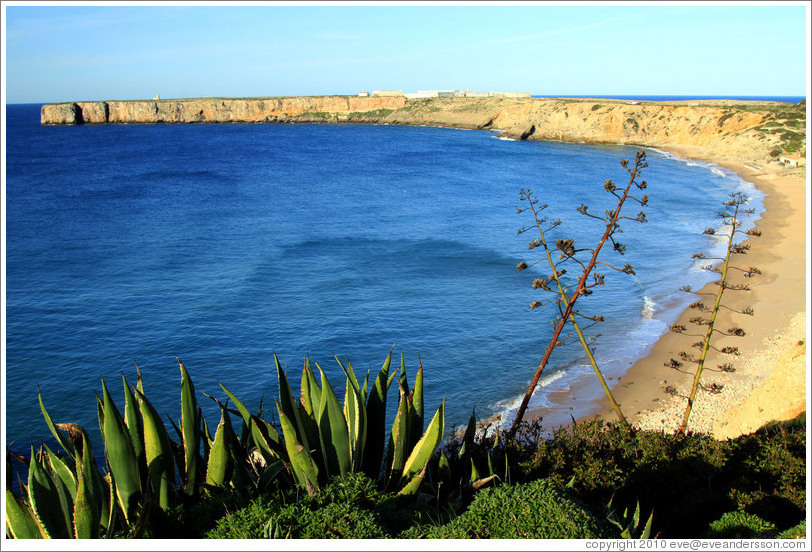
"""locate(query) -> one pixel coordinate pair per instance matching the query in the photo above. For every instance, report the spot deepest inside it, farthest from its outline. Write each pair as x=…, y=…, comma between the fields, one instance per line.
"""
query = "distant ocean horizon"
x=227, y=243
x=661, y=98
x=631, y=97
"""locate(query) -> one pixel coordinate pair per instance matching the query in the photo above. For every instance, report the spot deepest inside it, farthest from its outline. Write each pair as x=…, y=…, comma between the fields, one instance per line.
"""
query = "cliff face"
x=210, y=110
x=747, y=130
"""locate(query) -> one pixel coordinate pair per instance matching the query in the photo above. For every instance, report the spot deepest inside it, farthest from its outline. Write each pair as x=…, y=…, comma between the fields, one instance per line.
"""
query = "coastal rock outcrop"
x=729, y=129
x=211, y=110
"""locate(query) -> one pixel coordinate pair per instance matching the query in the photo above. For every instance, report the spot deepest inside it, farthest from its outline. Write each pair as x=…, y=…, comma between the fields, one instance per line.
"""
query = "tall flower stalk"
x=567, y=252
x=734, y=222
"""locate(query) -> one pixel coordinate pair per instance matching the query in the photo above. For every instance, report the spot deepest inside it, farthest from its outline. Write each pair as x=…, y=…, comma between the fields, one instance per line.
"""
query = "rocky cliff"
x=727, y=129
x=211, y=110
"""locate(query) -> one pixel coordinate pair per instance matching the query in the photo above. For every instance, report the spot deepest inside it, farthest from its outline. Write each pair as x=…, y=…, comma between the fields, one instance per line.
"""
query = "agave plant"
x=630, y=523
x=67, y=496
x=460, y=472
x=322, y=438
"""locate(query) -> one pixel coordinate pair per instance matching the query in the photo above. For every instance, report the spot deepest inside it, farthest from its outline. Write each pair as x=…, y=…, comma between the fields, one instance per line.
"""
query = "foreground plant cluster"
x=594, y=480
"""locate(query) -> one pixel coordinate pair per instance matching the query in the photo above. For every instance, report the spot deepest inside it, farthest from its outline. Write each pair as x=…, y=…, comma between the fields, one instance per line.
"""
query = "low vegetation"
x=476, y=485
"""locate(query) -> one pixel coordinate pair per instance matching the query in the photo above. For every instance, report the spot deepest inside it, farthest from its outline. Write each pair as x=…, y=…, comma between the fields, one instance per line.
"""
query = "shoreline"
x=723, y=133
x=773, y=349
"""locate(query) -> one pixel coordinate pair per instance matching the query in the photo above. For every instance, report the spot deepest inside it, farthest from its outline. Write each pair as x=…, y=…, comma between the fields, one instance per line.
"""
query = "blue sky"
x=60, y=53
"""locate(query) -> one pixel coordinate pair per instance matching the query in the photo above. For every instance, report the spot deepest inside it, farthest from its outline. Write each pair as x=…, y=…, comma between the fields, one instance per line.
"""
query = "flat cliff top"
x=745, y=131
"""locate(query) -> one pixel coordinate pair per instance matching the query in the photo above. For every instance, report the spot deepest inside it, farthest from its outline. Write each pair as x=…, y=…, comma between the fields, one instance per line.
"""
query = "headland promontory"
x=753, y=131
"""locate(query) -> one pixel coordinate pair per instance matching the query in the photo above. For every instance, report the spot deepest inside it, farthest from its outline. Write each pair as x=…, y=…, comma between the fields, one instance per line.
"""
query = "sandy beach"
x=771, y=371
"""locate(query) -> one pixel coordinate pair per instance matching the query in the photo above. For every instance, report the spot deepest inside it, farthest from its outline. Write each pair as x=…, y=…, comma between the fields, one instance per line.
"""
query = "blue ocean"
x=224, y=244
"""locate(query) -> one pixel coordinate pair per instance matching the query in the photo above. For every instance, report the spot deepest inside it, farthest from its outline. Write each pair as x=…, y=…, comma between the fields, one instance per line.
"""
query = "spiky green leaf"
x=86, y=507
x=289, y=405
x=190, y=429
x=47, y=502
x=396, y=450
x=60, y=437
x=219, y=465
x=355, y=415
x=157, y=451
x=333, y=431
x=20, y=522
x=301, y=463
x=121, y=458
x=428, y=443
x=376, y=421
x=133, y=422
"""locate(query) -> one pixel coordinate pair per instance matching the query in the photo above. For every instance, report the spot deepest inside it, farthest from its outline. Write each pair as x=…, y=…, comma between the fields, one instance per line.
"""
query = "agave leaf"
x=20, y=521
x=289, y=405
x=646, y=534
x=207, y=438
x=47, y=499
x=100, y=490
x=414, y=484
x=417, y=395
x=444, y=469
x=355, y=415
x=396, y=450
x=349, y=372
x=333, y=431
x=219, y=465
x=244, y=413
x=190, y=428
x=365, y=388
x=60, y=437
x=301, y=463
x=100, y=413
x=139, y=383
x=64, y=483
x=376, y=421
x=428, y=443
x=86, y=514
x=133, y=422
x=266, y=439
x=157, y=451
x=310, y=392
x=308, y=406
x=474, y=472
x=113, y=510
x=269, y=474
x=60, y=470
x=404, y=382
x=121, y=458
x=468, y=438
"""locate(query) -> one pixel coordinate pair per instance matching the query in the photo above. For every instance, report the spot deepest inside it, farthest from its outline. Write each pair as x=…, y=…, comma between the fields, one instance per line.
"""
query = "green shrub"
x=350, y=506
x=537, y=510
x=248, y=522
x=762, y=474
x=740, y=525
x=333, y=521
x=797, y=532
x=767, y=472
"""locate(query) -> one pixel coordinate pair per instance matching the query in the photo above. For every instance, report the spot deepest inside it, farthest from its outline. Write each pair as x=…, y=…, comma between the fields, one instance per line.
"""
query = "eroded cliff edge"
x=751, y=131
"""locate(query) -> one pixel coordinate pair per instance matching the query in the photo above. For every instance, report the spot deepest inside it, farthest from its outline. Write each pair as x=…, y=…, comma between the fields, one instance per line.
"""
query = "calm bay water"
x=226, y=243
